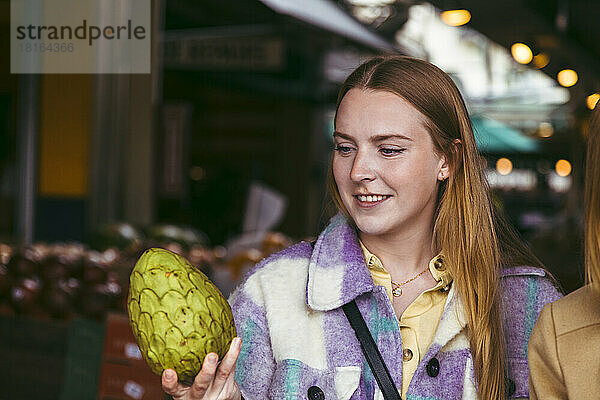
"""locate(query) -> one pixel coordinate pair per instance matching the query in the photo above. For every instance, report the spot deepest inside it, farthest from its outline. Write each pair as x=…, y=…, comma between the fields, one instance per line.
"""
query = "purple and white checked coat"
x=298, y=344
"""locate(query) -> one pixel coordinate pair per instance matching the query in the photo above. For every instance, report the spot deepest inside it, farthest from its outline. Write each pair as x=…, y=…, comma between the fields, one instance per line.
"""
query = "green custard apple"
x=177, y=314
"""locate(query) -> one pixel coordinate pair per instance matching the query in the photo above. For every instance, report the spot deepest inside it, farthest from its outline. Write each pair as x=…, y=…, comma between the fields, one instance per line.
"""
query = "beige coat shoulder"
x=564, y=349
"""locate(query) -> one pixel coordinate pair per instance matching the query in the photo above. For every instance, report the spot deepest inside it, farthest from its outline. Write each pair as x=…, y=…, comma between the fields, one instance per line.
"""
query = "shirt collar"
x=440, y=272
x=373, y=262
x=436, y=266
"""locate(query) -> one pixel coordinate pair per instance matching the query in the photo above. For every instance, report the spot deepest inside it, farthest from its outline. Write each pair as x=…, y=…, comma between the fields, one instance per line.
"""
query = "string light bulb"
x=567, y=77
x=456, y=17
x=521, y=53
x=563, y=168
x=545, y=130
x=592, y=100
x=504, y=166
x=541, y=60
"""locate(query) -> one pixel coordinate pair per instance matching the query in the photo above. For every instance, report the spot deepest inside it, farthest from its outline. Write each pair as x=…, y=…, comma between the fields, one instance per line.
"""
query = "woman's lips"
x=370, y=201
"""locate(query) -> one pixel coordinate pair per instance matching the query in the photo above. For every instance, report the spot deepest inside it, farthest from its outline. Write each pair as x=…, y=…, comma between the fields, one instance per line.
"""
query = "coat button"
x=315, y=393
x=407, y=355
x=433, y=367
x=511, y=388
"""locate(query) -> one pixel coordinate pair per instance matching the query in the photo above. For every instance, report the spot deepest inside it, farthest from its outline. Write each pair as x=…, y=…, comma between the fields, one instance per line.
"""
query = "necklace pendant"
x=397, y=292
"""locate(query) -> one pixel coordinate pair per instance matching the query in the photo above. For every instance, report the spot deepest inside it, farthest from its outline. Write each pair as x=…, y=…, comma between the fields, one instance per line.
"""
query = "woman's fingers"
x=171, y=386
x=211, y=379
x=226, y=370
x=231, y=388
x=227, y=366
x=205, y=377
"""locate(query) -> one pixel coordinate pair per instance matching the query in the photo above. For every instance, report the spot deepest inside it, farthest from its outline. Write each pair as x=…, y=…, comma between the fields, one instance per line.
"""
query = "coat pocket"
x=295, y=380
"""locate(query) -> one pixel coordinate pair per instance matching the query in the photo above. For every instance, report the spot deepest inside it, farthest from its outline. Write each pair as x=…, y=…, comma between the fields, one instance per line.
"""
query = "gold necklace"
x=397, y=287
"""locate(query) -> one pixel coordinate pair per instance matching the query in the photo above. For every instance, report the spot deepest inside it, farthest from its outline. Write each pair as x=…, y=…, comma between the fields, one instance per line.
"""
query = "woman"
x=564, y=351
x=414, y=244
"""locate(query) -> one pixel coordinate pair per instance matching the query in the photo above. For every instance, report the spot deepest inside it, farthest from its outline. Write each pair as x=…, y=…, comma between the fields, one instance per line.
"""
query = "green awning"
x=493, y=136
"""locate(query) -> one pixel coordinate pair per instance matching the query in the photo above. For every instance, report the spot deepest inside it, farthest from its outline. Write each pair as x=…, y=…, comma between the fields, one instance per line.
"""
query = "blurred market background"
x=220, y=154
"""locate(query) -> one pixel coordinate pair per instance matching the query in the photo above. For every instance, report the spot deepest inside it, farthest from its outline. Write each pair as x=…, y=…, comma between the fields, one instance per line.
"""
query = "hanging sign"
x=225, y=53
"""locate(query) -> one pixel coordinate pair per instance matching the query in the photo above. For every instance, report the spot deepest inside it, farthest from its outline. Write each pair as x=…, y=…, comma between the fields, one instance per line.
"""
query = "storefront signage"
x=225, y=53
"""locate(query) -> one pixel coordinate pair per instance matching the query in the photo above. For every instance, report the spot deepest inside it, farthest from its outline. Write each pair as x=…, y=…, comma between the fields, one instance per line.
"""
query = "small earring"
x=442, y=176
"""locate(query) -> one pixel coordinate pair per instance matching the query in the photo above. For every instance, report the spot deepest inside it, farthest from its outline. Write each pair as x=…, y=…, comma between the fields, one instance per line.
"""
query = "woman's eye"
x=343, y=149
x=391, y=151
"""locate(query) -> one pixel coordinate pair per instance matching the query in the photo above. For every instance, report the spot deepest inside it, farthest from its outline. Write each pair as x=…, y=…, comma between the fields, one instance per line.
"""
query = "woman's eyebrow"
x=374, y=139
x=380, y=138
x=342, y=136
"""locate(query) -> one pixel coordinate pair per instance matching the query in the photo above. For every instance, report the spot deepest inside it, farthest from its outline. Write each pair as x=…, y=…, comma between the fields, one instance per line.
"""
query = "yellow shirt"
x=419, y=321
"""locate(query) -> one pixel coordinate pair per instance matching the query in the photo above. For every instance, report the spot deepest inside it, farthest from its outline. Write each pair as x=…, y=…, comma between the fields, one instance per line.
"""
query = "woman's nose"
x=362, y=169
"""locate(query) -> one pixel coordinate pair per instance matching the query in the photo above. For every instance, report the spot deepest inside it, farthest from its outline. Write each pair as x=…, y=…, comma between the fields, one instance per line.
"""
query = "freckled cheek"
x=414, y=181
x=341, y=171
x=399, y=175
x=415, y=169
x=342, y=181
x=337, y=177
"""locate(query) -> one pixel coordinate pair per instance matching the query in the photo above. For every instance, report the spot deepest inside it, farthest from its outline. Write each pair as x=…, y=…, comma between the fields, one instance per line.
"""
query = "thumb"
x=169, y=380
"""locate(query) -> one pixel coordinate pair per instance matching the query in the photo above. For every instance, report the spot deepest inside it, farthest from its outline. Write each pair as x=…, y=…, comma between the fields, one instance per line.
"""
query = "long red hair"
x=473, y=242
x=592, y=202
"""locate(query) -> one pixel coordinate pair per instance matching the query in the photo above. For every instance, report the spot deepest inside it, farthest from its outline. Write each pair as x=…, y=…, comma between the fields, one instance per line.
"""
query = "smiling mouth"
x=371, y=198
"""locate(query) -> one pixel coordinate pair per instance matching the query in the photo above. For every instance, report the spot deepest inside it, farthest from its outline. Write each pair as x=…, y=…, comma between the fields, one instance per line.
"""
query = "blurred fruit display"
x=119, y=235
x=66, y=280
x=59, y=281
x=183, y=236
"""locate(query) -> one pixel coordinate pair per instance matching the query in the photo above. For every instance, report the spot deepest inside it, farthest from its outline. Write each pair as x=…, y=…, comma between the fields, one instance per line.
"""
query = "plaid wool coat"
x=298, y=344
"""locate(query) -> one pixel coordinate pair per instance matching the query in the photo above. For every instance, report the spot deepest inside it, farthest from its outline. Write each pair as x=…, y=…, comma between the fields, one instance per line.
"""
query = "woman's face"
x=384, y=163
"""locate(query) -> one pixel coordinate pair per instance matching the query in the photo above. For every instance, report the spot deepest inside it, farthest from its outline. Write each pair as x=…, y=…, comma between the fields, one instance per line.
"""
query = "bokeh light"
x=592, y=100
x=567, y=77
x=456, y=17
x=545, y=129
x=521, y=53
x=541, y=60
x=563, y=168
x=197, y=173
x=504, y=166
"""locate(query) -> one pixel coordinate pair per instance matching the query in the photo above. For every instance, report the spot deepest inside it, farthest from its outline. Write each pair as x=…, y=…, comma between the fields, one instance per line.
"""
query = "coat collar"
x=337, y=272
x=452, y=321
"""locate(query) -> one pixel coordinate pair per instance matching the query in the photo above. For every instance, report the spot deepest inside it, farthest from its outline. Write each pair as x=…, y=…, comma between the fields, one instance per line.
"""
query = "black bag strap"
x=369, y=348
x=371, y=352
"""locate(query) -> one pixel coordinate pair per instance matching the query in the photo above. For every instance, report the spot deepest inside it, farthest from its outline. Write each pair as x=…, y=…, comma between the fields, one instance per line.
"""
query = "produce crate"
x=82, y=363
x=73, y=360
x=124, y=375
x=50, y=359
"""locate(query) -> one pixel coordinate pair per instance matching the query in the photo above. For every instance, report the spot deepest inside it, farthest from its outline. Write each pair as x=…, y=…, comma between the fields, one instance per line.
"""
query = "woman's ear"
x=445, y=163
x=444, y=171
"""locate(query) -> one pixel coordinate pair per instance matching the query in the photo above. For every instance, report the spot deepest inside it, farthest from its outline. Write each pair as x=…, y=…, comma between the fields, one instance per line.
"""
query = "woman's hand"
x=212, y=382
